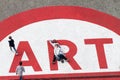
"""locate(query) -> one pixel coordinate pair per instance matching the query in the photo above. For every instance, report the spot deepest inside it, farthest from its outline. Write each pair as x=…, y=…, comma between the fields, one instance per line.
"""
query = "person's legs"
x=54, y=59
x=63, y=58
x=15, y=49
x=21, y=78
x=10, y=48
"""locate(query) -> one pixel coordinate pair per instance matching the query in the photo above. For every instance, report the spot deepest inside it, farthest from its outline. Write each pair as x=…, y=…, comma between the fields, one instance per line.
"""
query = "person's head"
x=57, y=45
x=10, y=37
x=20, y=63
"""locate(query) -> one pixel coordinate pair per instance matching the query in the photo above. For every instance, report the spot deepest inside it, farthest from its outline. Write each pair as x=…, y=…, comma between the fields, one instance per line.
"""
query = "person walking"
x=58, y=53
x=19, y=71
x=11, y=44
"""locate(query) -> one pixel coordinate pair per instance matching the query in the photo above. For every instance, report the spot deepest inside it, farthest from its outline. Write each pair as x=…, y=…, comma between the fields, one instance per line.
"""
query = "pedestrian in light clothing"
x=58, y=53
x=19, y=70
x=11, y=44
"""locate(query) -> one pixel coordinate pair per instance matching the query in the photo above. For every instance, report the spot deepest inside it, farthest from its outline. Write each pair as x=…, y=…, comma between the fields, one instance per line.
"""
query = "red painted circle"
x=58, y=12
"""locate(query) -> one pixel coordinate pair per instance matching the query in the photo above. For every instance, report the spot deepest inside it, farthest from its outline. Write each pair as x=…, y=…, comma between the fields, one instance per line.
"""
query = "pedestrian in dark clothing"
x=11, y=44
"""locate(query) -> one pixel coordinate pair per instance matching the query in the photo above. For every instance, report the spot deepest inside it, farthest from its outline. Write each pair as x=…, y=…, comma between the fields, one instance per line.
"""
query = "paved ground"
x=12, y=7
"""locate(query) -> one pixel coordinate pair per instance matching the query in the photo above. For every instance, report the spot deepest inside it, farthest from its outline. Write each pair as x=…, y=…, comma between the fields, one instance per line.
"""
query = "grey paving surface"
x=11, y=7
